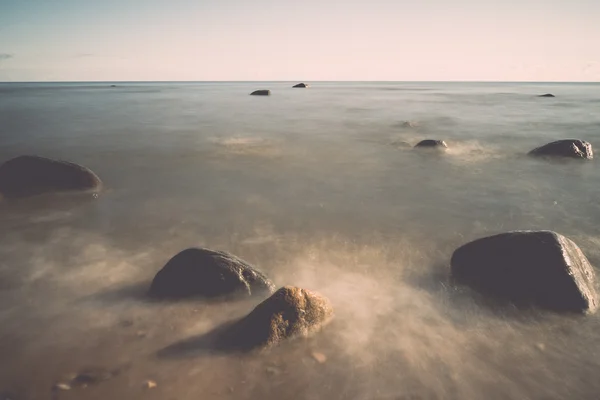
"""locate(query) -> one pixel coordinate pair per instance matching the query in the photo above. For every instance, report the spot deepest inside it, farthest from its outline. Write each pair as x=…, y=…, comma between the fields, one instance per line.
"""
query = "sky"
x=299, y=40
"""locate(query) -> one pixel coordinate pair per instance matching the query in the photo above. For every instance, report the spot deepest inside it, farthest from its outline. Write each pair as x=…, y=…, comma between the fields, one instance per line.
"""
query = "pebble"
x=149, y=384
x=61, y=386
x=319, y=357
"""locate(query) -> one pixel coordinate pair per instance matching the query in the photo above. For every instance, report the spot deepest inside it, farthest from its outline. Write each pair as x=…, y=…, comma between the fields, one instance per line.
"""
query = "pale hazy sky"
x=501, y=40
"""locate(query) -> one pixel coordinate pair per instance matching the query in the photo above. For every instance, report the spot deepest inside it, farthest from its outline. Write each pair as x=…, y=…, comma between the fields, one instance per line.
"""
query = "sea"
x=318, y=187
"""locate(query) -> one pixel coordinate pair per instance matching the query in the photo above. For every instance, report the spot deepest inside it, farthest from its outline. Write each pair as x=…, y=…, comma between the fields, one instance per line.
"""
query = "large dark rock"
x=261, y=93
x=540, y=268
x=573, y=148
x=547, y=95
x=208, y=273
x=30, y=175
x=289, y=312
x=300, y=85
x=430, y=143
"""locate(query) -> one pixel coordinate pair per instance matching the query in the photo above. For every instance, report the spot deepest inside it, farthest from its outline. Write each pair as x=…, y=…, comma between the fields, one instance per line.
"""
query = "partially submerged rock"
x=573, y=148
x=547, y=95
x=208, y=273
x=540, y=268
x=430, y=143
x=31, y=175
x=300, y=85
x=289, y=312
x=261, y=93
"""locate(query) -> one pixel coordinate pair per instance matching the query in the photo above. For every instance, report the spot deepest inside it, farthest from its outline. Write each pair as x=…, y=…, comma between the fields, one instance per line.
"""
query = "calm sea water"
x=311, y=186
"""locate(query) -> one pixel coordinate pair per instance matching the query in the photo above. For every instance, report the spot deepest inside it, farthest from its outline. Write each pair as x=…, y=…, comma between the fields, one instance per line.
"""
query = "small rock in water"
x=149, y=384
x=319, y=357
x=432, y=144
x=573, y=148
x=61, y=386
x=263, y=92
x=547, y=95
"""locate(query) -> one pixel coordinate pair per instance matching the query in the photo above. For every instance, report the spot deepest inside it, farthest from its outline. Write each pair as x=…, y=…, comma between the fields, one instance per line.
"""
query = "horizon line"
x=290, y=81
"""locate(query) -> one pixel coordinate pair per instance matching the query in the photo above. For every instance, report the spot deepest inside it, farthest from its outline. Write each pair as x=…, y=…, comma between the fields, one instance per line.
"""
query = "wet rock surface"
x=432, y=144
x=208, y=273
x=261, y=93
x=290, y=312
x=31, y=175
x=528, y=268
x=572, y=148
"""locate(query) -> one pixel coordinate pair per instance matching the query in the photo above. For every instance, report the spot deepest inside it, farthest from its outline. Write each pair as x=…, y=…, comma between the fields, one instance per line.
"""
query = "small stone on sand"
x=320, y=357
x=61, y=386
x=149, y=384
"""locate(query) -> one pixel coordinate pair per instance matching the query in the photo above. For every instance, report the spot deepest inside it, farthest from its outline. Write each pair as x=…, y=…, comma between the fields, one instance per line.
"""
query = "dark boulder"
x=528, y=268
x=113, y=85
x=31, y=175
x=208, y=273
x=261, y=93
x=289, y=312
x=573, y=148
x=300, y=85
x=430, y=143
x=547, y=95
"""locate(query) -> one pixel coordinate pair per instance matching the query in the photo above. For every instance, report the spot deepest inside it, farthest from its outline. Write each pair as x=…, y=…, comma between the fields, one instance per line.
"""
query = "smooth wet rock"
x=290, y=312
x=31, y=175
x=433, y=144
x=573, y=148
x=61, y=386
x=547, y=95
x=208, y=273
x=149, y=384
x=261, y=93
x=528, y=268
x=300, y=85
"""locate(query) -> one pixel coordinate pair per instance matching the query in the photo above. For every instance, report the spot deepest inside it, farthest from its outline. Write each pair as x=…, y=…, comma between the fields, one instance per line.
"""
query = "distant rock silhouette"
x=262, y=92
x=547, y=95
x=300, y=85
x=289, y=312
x=541, y=268
x=113, y=85
x=430, y=143
x=573, y=148
x=208, y=273
x=32, y=175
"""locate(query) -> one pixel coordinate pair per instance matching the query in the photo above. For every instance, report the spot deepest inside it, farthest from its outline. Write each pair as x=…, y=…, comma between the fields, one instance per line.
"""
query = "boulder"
x=289, y=312
x=528, y=268
x=547, y=95
x=208, y=273
x=430, y=143
x=31, y=175
x=573, y=148
x=261, y=93
x=300, y=85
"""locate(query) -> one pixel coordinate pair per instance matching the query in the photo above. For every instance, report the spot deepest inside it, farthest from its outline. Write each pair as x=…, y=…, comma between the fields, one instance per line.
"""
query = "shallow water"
x=307, y=185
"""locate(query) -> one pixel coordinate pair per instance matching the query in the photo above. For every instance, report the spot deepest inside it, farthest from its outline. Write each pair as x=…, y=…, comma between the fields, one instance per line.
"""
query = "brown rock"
x=289, y=312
